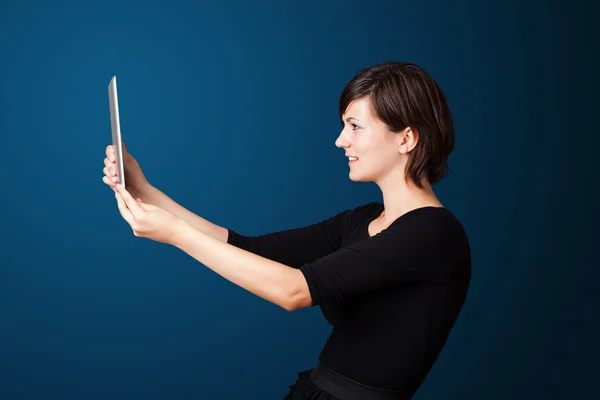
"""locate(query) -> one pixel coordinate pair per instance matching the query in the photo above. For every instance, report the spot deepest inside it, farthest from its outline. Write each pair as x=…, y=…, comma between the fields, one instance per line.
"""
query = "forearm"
x=270, y=280
x=152, y=195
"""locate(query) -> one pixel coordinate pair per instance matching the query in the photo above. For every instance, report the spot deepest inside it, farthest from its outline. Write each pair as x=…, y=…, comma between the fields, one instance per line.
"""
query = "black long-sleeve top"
x=392, y=298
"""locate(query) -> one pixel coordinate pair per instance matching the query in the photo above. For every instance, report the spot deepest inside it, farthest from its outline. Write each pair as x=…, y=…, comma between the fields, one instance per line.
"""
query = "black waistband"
x=348, y=389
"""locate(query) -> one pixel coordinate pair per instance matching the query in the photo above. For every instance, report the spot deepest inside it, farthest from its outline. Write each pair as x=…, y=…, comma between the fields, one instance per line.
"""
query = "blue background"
x=231, y=109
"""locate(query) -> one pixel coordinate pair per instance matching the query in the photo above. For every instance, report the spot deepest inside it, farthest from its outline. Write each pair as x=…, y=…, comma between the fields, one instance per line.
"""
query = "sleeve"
x=294, y=247
x=408, y=251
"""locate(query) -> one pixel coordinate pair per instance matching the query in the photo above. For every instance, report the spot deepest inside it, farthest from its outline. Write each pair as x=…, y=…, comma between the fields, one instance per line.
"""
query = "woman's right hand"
x=134, y=177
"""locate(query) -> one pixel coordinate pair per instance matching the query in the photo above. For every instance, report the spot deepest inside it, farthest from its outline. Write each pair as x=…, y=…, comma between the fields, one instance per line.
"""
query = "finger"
x=130, y=202
x=125, y=212
x=109, y=175
x=109, y=183
x=111, y=172
x=108, y=163
x=110, y=152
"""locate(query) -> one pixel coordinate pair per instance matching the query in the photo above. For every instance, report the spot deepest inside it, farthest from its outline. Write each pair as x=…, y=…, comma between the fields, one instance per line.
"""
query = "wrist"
x=179, y=232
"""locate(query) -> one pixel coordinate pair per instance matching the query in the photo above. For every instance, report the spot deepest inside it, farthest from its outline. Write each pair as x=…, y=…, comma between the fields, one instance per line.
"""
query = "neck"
x=403, y=197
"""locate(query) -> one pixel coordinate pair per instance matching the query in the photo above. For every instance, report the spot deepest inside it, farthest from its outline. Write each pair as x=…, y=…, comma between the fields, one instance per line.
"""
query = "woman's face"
x=367, y=138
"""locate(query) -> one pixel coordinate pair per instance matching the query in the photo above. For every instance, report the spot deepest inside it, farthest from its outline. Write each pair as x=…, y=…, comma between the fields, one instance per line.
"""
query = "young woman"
x=390, y=277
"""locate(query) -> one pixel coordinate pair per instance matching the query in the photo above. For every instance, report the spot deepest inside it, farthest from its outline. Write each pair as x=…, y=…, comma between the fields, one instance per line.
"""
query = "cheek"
x=363, y=145
x=382, y=157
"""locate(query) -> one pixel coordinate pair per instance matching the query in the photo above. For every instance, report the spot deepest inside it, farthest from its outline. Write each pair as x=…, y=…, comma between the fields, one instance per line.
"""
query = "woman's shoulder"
x=430, y=215
x=434, y=226
x=357, y=213
x=366, y=210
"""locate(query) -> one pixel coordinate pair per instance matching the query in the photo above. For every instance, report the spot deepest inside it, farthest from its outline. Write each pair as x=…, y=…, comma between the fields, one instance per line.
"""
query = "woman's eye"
x=354, y=125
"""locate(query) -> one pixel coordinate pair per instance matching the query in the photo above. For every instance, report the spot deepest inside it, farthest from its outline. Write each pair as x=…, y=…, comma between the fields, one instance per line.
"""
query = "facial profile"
x=377, y=149
x=401, y=128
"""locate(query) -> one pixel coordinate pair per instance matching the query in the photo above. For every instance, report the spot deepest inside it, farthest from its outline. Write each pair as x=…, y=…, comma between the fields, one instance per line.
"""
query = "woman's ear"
x=408, y=139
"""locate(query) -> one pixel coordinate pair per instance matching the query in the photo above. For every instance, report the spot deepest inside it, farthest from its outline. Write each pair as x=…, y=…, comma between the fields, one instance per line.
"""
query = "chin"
x=357, y=178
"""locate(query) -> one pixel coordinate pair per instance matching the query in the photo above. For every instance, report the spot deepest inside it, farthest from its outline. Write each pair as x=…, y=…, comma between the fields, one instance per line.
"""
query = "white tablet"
x=116, y=128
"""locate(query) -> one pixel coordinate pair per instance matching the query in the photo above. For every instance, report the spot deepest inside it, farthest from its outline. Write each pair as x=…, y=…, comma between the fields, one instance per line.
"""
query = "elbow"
x=286, y=298
x=287, y=303
x=289, y=307
x=299, y=295
x=302, y=302
x=293, y=305
x=290, y=302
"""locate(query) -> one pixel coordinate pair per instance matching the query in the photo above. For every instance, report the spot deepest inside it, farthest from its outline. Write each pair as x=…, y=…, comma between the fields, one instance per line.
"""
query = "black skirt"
x=304, y=388
x=322, y=383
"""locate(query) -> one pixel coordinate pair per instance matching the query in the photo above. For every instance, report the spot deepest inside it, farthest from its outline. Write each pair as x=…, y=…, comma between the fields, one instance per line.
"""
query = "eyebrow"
x=348, y=119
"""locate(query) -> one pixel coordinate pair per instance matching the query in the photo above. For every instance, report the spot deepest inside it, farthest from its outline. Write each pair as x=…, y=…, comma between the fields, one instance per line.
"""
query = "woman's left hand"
x=147, y=220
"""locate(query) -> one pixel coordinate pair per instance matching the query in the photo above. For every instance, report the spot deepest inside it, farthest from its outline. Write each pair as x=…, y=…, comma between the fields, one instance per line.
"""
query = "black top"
x=391, y=298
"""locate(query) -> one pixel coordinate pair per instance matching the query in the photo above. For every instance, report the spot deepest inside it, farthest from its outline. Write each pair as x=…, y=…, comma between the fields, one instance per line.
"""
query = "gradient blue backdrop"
x=231, y=109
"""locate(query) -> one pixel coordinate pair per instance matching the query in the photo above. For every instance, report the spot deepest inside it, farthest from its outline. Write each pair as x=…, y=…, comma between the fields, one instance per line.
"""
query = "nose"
x=341, y=141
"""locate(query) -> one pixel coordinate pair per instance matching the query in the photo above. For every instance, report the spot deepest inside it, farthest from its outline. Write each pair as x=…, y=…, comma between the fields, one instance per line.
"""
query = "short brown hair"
x=402, y=94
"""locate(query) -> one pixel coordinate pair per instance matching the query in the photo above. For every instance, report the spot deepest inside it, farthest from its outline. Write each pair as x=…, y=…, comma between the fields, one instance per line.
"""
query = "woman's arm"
x=291, y=247
x=151, y=195
x=271, y=280
x=297, y=246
